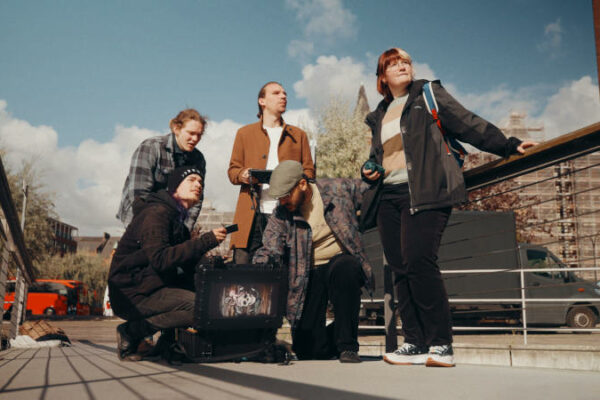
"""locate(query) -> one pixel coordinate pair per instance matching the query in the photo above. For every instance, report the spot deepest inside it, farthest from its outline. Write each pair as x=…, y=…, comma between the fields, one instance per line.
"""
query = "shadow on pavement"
x=274, y=386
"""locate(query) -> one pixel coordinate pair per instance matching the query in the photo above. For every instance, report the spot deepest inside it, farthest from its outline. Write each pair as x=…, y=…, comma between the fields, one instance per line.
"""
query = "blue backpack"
x=453, y=146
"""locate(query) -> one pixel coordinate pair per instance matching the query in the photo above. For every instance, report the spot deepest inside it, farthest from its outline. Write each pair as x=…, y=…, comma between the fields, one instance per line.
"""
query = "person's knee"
x=188, y=300
x=345, y=265
x=420, y=262
x=346, y=273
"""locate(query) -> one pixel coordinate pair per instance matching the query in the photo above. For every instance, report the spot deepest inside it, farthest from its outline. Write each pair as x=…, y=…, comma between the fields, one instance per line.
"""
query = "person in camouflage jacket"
x=288, y=237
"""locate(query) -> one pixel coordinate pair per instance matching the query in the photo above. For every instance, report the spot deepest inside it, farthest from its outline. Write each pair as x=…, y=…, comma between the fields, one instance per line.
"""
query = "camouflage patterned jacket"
x=288, y=237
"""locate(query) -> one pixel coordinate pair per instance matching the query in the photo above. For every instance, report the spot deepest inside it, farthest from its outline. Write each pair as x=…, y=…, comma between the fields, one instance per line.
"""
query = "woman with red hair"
x=415, y=180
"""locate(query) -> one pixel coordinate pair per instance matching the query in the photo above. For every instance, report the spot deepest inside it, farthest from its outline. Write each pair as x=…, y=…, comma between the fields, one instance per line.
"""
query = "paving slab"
x=90, y=370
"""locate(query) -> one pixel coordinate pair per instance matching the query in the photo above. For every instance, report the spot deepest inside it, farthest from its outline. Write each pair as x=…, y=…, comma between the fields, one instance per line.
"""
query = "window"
x=540, y=259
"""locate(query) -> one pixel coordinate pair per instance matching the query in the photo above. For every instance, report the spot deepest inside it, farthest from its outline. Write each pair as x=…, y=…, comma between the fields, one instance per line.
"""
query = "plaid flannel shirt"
x=151, y=163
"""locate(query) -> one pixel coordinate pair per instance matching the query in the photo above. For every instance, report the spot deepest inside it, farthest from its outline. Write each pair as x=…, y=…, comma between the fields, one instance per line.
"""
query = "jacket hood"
x=160, y=197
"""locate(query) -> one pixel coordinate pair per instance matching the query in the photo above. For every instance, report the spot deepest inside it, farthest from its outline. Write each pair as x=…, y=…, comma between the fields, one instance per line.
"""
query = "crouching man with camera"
x=314, y=230
x=144, y=281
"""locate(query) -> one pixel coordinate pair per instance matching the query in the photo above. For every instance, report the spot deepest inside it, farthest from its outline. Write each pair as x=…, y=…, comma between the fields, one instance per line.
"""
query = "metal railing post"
x=523, y=306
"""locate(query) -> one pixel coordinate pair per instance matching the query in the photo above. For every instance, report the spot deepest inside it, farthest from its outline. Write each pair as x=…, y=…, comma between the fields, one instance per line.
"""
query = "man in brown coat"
x=262, y=145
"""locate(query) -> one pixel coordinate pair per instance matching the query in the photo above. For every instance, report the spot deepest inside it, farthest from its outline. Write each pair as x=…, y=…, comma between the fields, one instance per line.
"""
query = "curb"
x=572, y=357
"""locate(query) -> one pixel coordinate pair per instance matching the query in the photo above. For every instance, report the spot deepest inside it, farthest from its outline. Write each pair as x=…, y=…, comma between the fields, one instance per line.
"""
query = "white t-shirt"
x=267, y=203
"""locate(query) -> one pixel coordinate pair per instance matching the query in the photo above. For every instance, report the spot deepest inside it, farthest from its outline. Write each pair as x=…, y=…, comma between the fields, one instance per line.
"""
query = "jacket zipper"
x=409, y=170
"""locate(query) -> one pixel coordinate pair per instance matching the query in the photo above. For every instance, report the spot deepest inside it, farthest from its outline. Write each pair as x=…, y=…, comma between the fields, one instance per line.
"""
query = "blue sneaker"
x=407, y=354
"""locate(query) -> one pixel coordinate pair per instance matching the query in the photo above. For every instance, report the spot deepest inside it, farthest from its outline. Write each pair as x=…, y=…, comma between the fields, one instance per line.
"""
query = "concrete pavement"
x=92, y=371
x=544, y=350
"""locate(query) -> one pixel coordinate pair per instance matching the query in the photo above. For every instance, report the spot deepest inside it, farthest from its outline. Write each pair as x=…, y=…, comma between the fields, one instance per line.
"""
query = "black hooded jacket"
x=434, y=178
x=154, y=245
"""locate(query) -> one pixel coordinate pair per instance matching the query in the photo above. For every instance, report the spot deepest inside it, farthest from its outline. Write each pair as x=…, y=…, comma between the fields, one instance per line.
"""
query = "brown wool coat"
x=250, y=150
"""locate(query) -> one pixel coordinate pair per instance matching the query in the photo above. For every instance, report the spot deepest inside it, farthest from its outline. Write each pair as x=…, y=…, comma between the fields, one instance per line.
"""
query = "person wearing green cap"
x=314, y=230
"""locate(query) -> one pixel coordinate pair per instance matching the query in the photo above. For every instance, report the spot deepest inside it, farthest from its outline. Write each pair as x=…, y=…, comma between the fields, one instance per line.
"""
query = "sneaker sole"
x=431, y=362
x=390, y=361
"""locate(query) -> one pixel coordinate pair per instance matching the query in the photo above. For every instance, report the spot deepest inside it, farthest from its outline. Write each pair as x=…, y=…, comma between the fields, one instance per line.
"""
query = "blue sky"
x=88, y=80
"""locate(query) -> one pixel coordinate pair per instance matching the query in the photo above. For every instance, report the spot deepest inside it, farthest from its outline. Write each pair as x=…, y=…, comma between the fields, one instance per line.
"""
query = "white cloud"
x=300, y=49
x=216, y=145
x=552, y=39
x=324, y=18
x=496, y=104
x=341, y=77
x=574, y=106
x=323, y=21
x=332, y=77
x=423, y=71
x=87, y=180
x=30, y=142
x=301, y=118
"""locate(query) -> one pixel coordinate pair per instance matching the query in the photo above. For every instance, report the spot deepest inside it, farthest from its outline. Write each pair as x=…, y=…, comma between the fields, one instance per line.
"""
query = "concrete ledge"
x=583, y=358
x=482, y=355
x=573, y=357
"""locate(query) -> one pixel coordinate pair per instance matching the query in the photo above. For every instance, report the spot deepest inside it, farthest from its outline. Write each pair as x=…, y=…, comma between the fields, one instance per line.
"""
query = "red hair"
x=387, y=58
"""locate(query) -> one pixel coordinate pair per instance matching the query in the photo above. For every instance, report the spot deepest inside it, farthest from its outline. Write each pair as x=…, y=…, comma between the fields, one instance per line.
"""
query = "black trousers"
x=164, y=309
x=244, y=256
x=410, y=244
x=339, y=281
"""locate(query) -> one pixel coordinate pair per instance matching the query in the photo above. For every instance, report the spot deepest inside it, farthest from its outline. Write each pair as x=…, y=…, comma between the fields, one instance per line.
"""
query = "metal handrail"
x=563, y=148
x=467, y=271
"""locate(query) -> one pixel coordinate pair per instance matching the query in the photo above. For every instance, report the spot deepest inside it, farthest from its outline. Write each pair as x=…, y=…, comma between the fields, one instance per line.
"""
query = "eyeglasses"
x=397, y=65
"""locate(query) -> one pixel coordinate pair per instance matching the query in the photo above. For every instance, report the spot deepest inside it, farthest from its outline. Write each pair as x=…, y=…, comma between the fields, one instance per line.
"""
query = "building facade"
x=64, y=237
x=564, y=199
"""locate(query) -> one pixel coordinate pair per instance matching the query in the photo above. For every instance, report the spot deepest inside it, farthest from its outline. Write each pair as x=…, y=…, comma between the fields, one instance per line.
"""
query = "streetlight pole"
x=25, y=190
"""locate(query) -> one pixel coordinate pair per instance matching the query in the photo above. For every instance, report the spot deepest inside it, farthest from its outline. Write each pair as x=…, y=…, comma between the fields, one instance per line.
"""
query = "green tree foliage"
x=38, y=232
x=343, y=141
x=88, y=268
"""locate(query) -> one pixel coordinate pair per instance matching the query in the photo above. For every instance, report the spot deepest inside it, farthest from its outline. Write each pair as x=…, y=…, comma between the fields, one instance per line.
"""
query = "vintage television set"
x=238, y=309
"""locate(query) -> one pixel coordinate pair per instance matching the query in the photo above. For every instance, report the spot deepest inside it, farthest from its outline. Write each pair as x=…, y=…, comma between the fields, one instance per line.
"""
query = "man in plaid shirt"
x=156, y=157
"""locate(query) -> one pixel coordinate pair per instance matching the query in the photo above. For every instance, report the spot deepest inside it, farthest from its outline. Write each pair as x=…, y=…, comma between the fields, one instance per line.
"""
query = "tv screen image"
x=237, y=300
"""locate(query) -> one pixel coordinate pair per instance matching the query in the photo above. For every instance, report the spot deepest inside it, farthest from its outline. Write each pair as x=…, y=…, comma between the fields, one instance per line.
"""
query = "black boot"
x=126, y=344
x=161, y=348
x=169, y=349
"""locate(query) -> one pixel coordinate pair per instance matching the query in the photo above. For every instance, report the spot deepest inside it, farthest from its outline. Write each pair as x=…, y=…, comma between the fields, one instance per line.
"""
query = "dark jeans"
x=340, y=281
x=164, y=309
x=411, y=243
x=244, y=256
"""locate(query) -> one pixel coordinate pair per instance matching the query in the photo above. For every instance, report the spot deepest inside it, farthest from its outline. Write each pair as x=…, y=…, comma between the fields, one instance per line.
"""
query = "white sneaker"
x=407, y=354
x=440, y=356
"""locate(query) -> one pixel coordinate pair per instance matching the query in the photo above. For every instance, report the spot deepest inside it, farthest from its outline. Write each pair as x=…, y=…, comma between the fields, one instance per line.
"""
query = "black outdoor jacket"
x=154, y=245
x=434, y=177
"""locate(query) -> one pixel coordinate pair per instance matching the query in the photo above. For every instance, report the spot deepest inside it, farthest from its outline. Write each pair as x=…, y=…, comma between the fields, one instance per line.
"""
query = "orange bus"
x=52, y=297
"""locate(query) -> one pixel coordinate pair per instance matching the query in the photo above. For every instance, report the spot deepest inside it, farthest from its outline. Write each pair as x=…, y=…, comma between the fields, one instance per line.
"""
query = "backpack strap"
x=455, y=148
x=431, y=105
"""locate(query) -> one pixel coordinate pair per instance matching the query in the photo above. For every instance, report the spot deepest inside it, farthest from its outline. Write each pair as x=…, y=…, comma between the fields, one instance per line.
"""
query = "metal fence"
x=554, y=194
x=14, y=263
